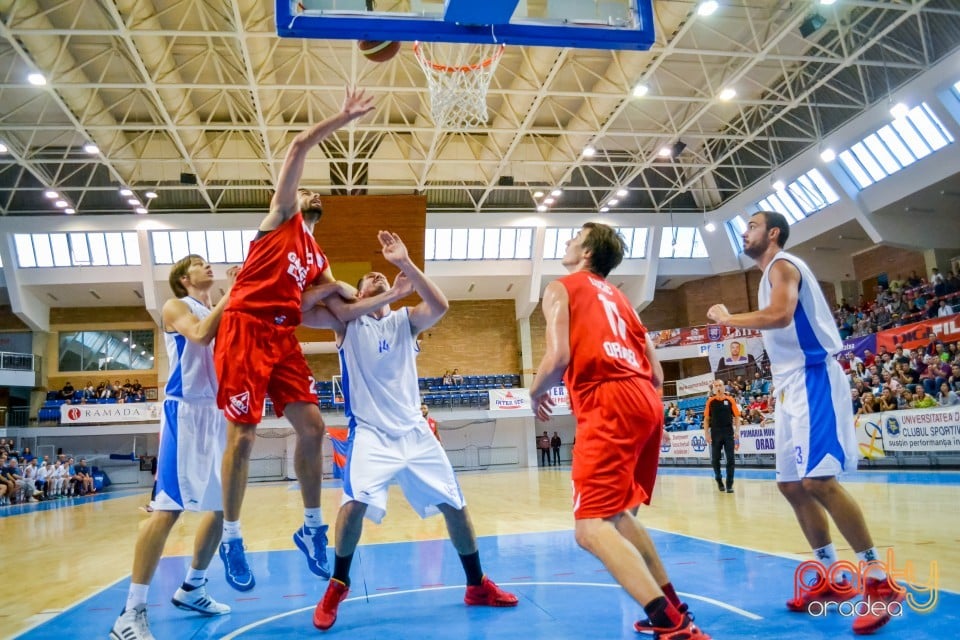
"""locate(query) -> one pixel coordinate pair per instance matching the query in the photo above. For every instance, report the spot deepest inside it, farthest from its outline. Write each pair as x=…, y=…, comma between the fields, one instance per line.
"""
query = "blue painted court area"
x=415, y=590
x=948, y=478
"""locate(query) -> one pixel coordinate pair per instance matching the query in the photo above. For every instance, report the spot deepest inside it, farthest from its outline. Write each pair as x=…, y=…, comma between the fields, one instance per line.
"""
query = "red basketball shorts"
x=254, y=357
x=615, y=458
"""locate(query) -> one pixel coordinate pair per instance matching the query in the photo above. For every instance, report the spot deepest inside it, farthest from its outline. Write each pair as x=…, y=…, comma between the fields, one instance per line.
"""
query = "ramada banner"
x=107, y=413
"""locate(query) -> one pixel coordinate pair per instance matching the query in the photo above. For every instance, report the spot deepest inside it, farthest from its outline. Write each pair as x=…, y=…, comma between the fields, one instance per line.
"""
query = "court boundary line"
x=253, y=625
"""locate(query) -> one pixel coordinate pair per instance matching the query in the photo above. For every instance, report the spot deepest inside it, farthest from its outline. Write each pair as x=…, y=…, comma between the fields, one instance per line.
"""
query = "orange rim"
x=467, y=68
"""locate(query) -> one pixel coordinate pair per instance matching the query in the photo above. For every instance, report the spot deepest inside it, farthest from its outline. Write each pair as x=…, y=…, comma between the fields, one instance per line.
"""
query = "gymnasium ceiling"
x=171, y=91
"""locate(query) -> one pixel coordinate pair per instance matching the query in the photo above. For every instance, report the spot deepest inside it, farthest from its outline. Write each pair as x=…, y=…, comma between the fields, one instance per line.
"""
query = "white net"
x=458, y=76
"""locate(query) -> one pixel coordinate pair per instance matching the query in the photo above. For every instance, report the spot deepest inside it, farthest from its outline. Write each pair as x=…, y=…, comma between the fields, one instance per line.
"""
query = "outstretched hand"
x=718, y=313
x=394, y=251
x=357, y=103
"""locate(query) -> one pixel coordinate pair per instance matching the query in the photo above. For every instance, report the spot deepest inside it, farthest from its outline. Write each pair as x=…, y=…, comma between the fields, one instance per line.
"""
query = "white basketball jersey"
x=812, y=335
x=378, y=362
x=192, y=376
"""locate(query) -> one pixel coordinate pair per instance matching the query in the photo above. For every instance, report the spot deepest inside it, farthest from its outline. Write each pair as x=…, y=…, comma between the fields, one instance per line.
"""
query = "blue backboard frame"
x=357, y=25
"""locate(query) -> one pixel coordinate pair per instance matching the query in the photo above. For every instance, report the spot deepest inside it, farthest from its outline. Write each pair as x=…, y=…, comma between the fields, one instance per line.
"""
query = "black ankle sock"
x=471, y=566
x=187, y=587
x=341, y=568
x=662, y=614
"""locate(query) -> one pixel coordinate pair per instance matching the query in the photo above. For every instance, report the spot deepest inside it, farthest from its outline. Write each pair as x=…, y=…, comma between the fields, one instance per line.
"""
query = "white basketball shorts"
x=416, y=461
x=192, y=441
x=815, y=432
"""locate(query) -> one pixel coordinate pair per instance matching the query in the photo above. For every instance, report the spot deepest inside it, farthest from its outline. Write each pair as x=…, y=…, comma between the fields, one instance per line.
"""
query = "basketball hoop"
x=458, y=86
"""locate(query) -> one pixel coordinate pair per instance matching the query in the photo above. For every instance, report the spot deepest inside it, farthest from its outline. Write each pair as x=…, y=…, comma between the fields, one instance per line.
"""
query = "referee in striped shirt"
x=721, y=426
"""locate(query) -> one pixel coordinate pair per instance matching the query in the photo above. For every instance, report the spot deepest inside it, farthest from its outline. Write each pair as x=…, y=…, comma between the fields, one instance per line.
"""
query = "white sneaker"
x=132, y=625
x=198, y=600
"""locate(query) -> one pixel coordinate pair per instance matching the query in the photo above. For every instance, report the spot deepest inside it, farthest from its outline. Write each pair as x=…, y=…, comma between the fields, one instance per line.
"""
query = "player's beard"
x=754, y=251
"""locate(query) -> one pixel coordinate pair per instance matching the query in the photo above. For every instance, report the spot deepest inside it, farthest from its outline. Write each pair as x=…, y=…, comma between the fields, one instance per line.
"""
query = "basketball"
x=379, y=50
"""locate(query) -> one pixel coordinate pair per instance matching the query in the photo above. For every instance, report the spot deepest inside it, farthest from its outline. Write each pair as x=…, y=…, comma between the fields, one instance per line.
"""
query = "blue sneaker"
x=313, y=542
x=235, y=564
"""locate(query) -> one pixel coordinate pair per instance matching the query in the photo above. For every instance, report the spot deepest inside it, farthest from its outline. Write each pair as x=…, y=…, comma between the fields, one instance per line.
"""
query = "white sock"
x=871, y=555
x=826, y=555
x=136, y=596
x=231, y=531
x=195, y=577
x=313, y=517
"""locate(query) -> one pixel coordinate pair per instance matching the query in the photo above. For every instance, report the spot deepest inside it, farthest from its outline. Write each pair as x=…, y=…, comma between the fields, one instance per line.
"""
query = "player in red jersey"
x=256, y=352
x=597, y=345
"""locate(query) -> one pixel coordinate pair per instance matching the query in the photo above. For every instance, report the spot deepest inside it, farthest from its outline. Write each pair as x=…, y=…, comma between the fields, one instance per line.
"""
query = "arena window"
x=895, y=146
x=682, y=242
x=508, y=243
x=77, y=249
x=804, y=196
x=735, y=229
x=555, y=241
x=218, y=247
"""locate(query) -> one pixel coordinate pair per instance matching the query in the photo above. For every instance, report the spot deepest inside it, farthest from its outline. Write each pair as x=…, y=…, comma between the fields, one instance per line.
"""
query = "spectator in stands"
x=759, y=385
x=84, y=478
x=954, y=379
x=137, y=387
x=543, y=444
x=89, y=392
x=10, y=476
x=27, y=455
x=117, y=390
x=888, y=400
x=447, y=378
x=555, y=443
x=127, y=387
x=904, y=399
x=868, y=405
x=67, y=392
x=921, y=400
x=43, y=479
x=946, y=397
x=944, y=310
x=457, y=378
x=914, y=280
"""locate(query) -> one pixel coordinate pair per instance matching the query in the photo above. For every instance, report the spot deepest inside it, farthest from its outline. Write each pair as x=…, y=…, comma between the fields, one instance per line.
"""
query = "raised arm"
x=284, y=204
x=177, y=316
x=784, y=293
x=433, y=303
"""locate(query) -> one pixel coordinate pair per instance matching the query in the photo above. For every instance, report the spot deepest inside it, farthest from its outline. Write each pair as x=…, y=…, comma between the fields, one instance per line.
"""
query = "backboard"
x=583, y=24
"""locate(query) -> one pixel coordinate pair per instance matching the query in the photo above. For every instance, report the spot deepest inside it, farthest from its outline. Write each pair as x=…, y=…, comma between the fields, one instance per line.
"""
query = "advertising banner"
x=696, y=385
x=686, y=444
x=935, y=429
x=110, y=413
x=510, y=400
x=913, y=336
x=698, y=335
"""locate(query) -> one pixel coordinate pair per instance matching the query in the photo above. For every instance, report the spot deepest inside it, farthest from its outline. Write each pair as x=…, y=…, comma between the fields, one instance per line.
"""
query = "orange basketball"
x=379, y=50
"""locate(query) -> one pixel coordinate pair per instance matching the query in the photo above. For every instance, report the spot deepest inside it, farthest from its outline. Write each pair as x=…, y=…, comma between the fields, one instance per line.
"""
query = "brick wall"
x=9, y=320
x=475, y=336
x=697, y=296
x=96, y=317
x=664, y=312
x=890, y=260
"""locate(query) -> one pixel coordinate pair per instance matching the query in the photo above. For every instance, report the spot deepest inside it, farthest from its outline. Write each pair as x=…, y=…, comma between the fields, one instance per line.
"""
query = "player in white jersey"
x=815, y=433
x=192, y=440
x=389, y=438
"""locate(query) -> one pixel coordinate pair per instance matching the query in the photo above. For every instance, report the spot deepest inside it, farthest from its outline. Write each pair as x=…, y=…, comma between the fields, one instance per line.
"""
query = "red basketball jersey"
x=607, y=339
x=280, y=265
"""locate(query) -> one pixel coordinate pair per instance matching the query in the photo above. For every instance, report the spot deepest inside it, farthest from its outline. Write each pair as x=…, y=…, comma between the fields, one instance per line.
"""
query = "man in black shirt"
x=721, y=426
x=555, y=443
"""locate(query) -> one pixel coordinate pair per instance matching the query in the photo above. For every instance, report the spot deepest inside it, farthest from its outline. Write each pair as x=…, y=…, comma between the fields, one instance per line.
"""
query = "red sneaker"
x=487, y=593
x=326, y=612
x=839, y=592
x=685, y=631
x=876, y=591
x=645, y=626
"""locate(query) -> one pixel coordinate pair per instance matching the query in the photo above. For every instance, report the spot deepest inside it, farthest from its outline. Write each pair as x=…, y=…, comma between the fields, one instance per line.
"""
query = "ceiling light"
x=91, y=148
x=36, y=79
x=133, y=202
x=778, y=185
x=604, y=209
x=556, y=193
x=143, y=353
x=61, y=204
x=828, y=155
x=548, y=201
x=133, y=346
x=812, y=24
x=70, y=210
x=612, y=202
x=126, y=192
x=141, y=209
x=125, y=339
x=151, y=194
x=151, y=357
x=538, y=194
x=664, y=152
x=827, y=3
x=53, y=195
x=728, y=94
x=640, y=90
x=899, y=110
x=3, y=148
x=622, y=193
x=589, y=152
x=707, y=8
x=542, y=208
x=710, y=227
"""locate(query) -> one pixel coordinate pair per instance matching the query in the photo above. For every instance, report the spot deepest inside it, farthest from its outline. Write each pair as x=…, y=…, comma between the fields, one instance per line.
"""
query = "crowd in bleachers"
x=104, y=393
x=754, y=397
x=24, y=478
x=900, y=302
